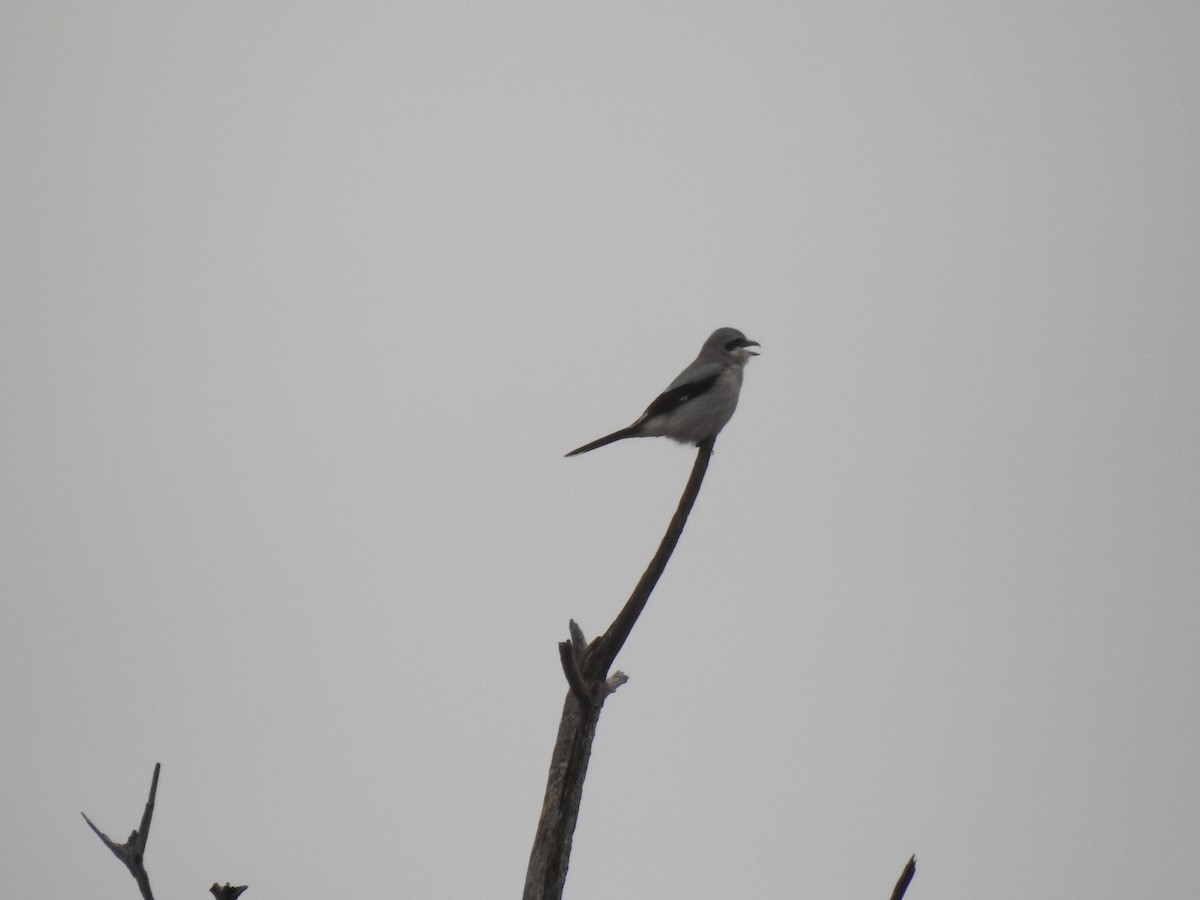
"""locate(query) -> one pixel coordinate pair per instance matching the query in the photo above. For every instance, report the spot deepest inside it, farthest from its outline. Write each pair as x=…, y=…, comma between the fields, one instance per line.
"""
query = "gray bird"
x=700, y=401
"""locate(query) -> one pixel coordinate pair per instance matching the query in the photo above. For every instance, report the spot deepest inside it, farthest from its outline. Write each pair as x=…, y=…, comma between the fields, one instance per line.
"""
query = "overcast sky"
x=301, y=305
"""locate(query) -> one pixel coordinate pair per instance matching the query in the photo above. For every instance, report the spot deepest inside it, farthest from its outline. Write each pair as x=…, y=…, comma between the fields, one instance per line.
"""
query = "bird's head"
x=732, y=342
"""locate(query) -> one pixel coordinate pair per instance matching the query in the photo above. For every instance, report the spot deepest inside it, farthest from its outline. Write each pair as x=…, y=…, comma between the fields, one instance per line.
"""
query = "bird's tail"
x=629, y=432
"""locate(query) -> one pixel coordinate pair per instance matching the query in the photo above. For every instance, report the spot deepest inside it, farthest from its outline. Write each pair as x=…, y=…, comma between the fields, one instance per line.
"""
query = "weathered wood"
x=547, y=872
x=132, y=853
x=586, y=667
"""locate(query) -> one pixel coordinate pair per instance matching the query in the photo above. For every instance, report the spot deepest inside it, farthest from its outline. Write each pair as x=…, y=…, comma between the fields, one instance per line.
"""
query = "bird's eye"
x=734, y=344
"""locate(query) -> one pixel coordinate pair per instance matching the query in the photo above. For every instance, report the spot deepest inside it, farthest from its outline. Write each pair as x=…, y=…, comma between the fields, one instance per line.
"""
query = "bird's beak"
x=751, y=344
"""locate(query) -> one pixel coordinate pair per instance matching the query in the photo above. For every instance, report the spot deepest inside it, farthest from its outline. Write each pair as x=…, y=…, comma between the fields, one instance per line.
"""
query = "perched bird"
x=700, y=401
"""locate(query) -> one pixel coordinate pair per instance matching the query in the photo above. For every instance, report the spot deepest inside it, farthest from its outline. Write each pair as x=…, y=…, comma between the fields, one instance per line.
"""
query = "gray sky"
x=300, y=307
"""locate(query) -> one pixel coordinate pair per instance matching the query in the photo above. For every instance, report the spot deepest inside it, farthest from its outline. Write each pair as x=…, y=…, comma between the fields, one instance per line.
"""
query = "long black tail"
x=629, y=432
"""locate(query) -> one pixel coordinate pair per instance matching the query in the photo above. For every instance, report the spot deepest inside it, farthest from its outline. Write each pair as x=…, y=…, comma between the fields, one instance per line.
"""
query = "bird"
x=701, y=399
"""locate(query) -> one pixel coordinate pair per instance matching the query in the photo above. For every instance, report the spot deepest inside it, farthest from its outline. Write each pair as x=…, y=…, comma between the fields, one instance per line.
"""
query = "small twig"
x=614, y=681
x=905, y=877
x=132, y=853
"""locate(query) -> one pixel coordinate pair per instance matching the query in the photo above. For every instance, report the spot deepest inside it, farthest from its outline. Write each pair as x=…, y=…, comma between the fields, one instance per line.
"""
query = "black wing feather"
x=669, y=401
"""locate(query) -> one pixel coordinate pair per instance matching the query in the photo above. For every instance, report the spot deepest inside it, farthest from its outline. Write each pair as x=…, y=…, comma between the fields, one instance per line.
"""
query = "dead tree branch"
x=132, y=853
x=600, y=656
x=905, y=878
x=586, y=667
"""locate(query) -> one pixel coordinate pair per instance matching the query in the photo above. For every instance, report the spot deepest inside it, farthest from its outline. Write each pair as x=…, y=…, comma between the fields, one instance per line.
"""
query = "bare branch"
x=132, y=852
x=588, y=676
x=601, y=655
x=547, y=872
x=905, y=878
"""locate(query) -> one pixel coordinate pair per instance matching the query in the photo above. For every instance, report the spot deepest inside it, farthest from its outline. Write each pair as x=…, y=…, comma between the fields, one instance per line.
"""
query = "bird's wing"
x=680, y=393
